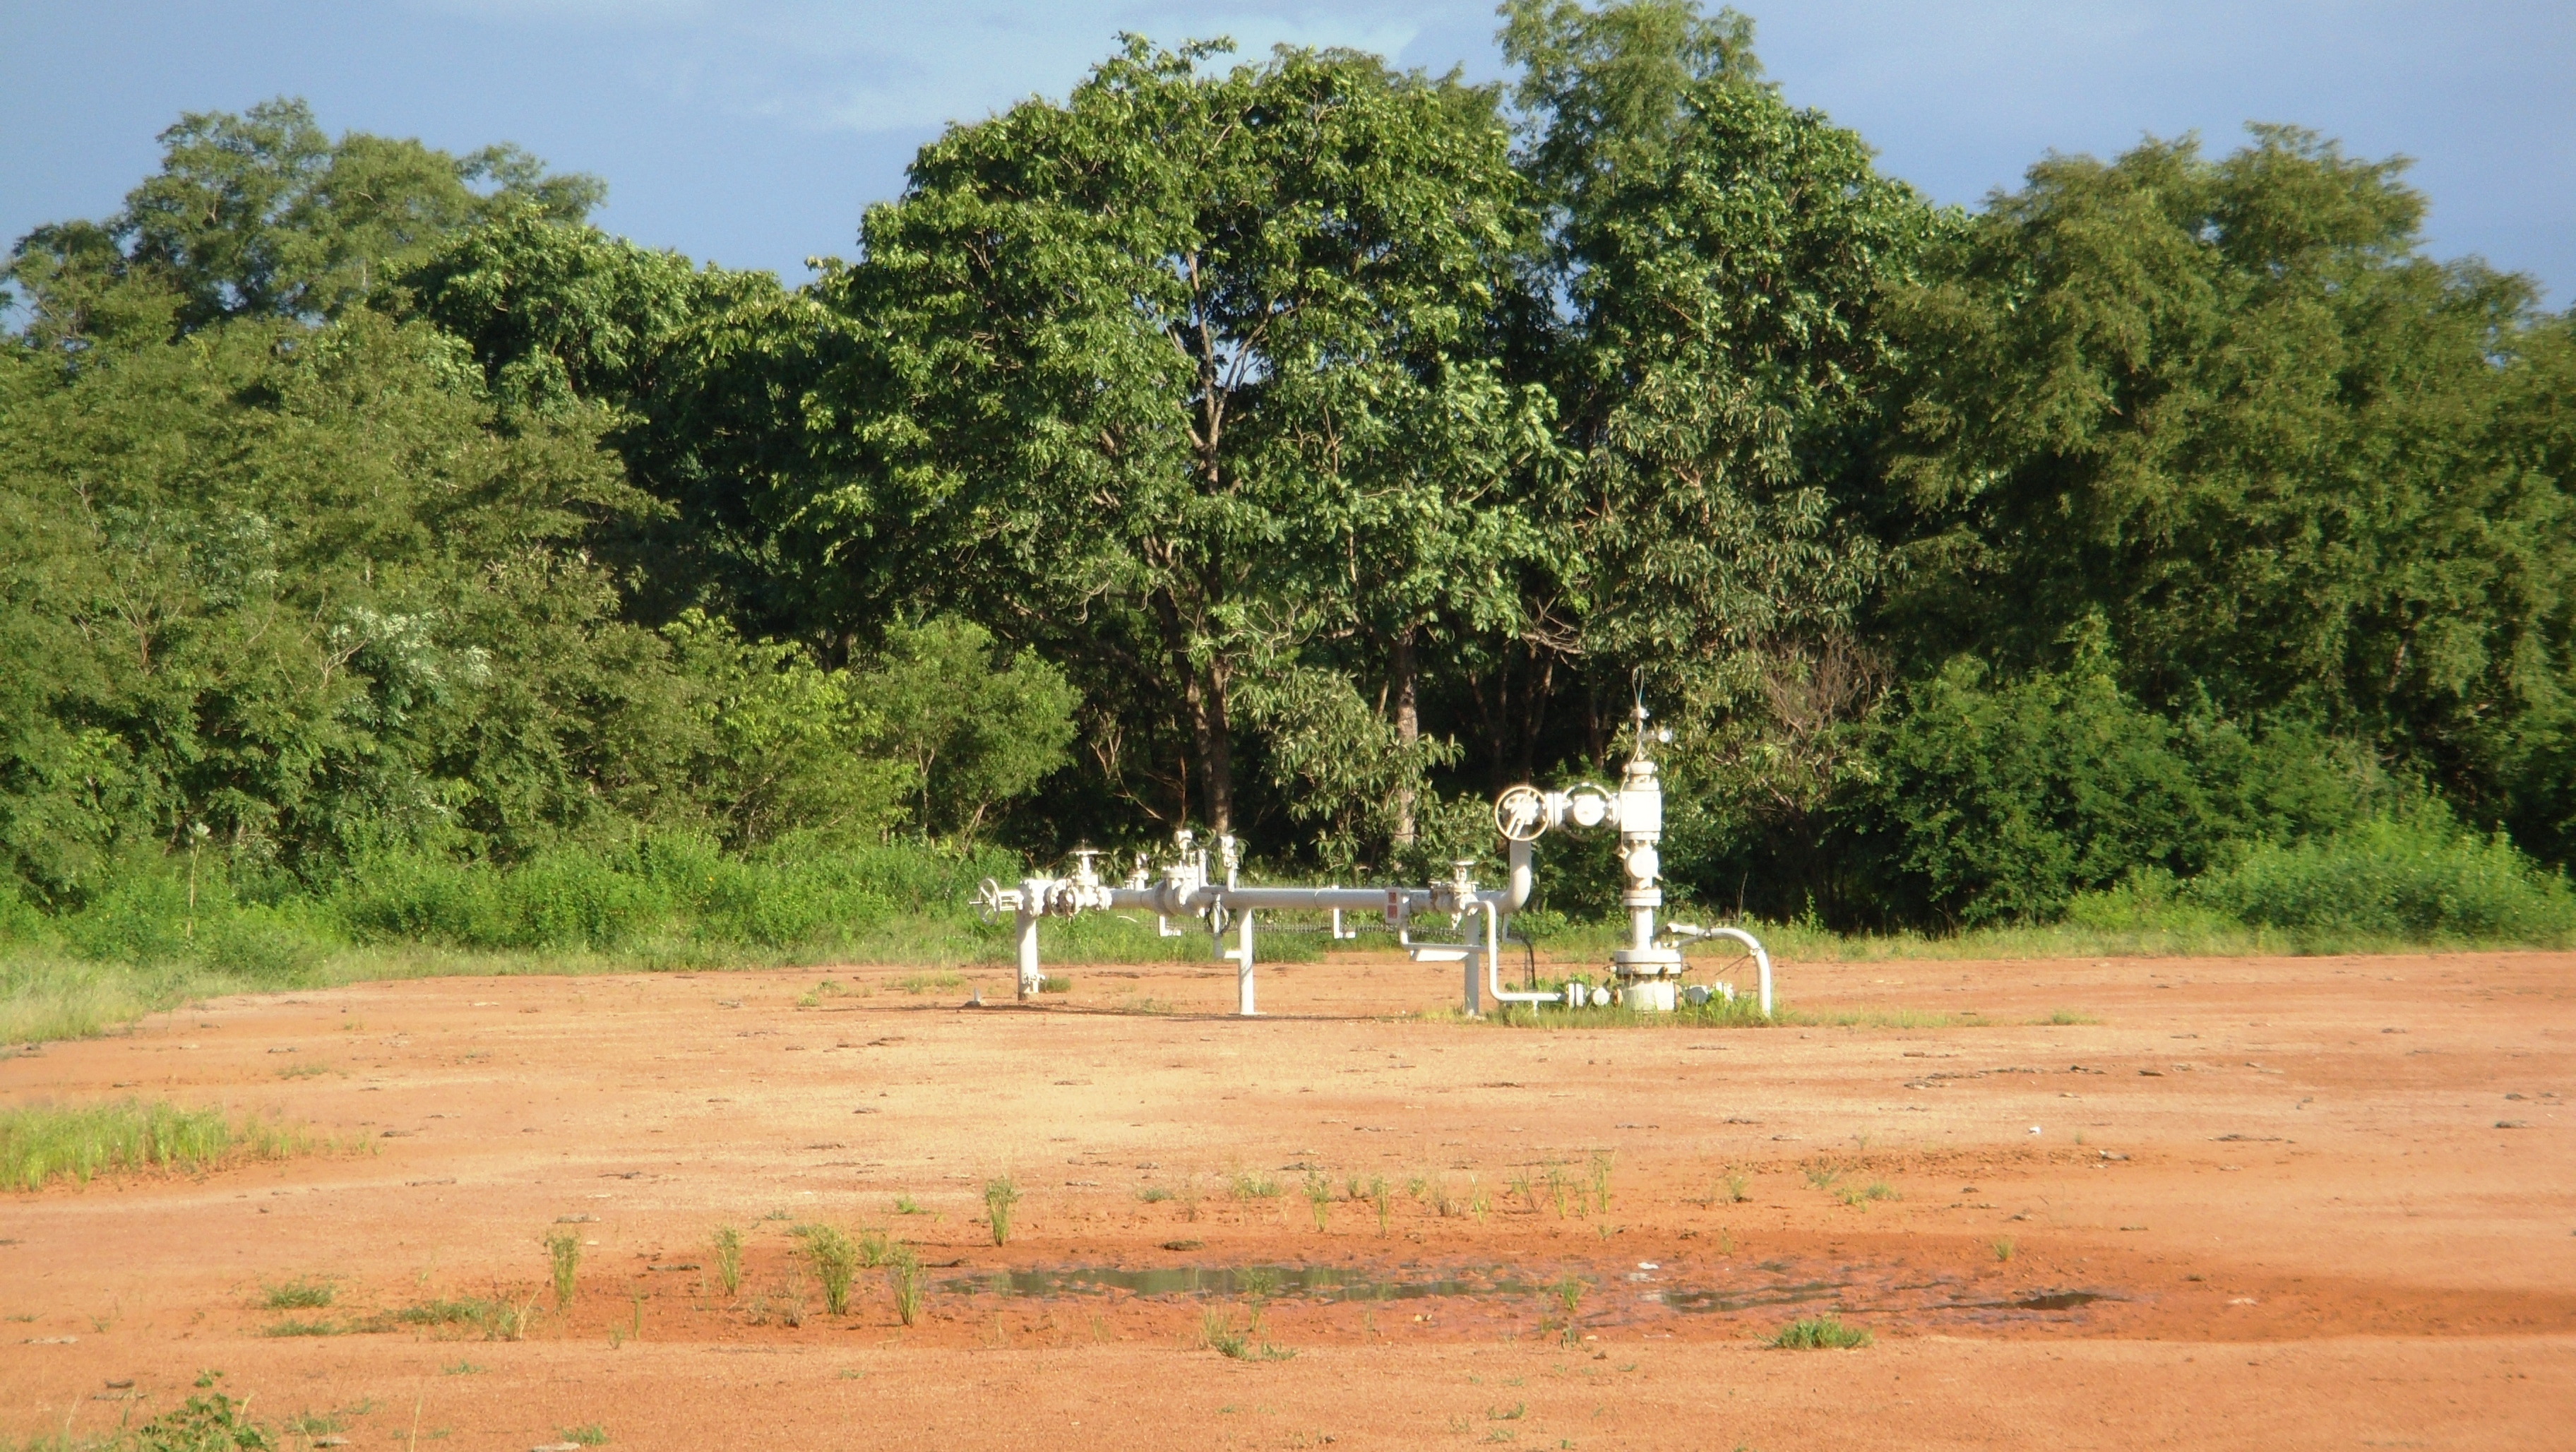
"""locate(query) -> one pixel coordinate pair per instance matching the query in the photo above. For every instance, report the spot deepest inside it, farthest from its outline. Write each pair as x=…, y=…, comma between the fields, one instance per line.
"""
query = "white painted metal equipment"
x=1647, y=972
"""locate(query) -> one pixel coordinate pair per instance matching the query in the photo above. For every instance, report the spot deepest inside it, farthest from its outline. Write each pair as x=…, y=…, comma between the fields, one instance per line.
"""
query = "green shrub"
x=2419, y=876
x=1979, y=802
x=1821, y=1333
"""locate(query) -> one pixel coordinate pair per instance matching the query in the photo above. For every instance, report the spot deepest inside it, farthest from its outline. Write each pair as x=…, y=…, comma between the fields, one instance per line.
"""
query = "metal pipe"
x=1031, y=976
x=1493, y=961
x=1243, y=966
x=1521, y=877
x=1761, y=959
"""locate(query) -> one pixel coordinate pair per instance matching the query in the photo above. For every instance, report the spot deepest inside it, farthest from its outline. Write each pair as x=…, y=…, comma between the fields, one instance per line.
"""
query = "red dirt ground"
x=2323, y=1202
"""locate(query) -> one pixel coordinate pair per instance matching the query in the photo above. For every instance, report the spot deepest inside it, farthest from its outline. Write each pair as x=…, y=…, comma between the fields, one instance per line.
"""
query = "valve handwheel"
x=1520, y=814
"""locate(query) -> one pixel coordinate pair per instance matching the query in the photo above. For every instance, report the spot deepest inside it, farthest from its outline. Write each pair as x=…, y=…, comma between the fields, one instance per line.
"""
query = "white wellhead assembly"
x=1647, y=973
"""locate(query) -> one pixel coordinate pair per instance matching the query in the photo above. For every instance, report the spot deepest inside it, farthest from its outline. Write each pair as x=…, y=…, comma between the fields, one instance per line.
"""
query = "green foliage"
x=1821, y=1333
x=905, y=1280
x=44, y=1142
x=728, y=1248
x=975, y=727
x=563, y=1258
x=1001, y=1198
x=2230, y=407
x=392, y=564
x=836, y=1261
x=1238, y=314
x=2417, y=877
x=1977, y=802
x=262, y=214
x=211, y=1422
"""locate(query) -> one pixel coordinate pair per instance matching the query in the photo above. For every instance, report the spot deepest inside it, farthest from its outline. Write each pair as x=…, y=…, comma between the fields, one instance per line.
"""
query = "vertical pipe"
x=1030, y=975
x=1520, y=875
x=1474, y=965
x=1243, y=964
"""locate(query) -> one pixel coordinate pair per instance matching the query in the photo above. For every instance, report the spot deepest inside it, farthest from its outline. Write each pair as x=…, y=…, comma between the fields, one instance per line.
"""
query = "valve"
x=1521, y=814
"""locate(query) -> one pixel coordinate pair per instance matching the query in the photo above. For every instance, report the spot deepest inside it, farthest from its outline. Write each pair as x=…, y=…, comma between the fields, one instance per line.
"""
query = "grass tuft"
x=728, y=1259
x=836, y=1263
x=563, y=1252
x=310, y=1293
x=904, y=1278
x=1821, y=1333
x=1001, y=1197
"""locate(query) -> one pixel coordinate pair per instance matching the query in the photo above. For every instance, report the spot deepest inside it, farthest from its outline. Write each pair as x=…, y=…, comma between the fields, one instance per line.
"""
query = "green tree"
x=973, y=726
x=1142, y=368
x=1707, y=304
x=702, y=374
x=2230, y=407
x=294, y=585
x=789, y=746
x=262, y=214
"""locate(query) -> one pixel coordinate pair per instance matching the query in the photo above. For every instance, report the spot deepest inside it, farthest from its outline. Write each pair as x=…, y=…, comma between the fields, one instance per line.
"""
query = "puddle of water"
x=1317, y=1282
x=1752, y=1298
x=2060, y=1301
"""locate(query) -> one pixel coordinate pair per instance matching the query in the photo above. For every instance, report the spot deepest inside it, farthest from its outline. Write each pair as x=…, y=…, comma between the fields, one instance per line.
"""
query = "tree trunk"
x=1408, y=731
x=1216, y=751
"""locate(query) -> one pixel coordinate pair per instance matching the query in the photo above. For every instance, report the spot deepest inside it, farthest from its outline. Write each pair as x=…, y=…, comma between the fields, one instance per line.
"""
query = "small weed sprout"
x=1417, y=1187
x=1601, y=1183
x=593, y=1435
x=728, y=1259
x=1569, y=1300
x=1000, y=1198
x=1520, y=1185
x=1248, y=1186
x=563, y=1248
x=2004, y=1248
x=835, y=1259
x=1556, y=1184
x=903, y=1277
x=1479, y=1204
x=906, y=1205
x=310, y=1293
x=1382, y=1195
x=1738, y=1188
x=1319, y=1197
x=1217, y=1333
x=1153, y=1194
x=1821, y=1333
x=875, y=1247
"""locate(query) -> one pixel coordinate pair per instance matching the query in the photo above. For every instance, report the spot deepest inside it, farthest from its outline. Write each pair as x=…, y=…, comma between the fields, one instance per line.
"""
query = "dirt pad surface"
x=2318, y=1202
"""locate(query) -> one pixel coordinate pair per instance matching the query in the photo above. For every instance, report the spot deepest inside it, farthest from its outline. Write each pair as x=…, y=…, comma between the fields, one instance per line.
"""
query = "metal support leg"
x=1031, y=976
x=1243, y=965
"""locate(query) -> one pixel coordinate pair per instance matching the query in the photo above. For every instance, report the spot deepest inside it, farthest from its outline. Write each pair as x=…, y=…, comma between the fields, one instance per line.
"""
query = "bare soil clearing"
x=2282, y=1202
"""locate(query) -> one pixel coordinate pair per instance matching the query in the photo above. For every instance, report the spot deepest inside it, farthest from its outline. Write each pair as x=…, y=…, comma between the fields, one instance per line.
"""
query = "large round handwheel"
x=1520, y=814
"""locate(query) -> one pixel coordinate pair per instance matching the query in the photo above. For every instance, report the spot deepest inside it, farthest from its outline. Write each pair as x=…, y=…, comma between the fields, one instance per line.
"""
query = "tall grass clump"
x=1001, y=1197
x=728, y=1246
x=563, y=1253
x=904, y=1279
x=836, y=1262
x=43, y=1142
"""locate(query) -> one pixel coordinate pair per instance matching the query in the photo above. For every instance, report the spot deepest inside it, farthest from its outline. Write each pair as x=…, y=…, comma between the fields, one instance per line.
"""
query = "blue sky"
x=754, y=132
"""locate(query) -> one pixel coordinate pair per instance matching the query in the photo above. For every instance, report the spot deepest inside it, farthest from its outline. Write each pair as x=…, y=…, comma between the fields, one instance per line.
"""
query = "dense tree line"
x=1298, y=447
